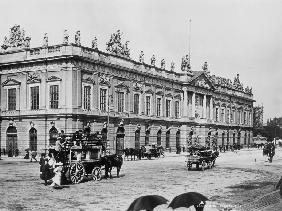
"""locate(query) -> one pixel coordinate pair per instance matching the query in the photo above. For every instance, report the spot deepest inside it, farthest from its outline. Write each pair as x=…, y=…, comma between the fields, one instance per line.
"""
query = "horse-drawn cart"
x=84, y=161
x=202, y=158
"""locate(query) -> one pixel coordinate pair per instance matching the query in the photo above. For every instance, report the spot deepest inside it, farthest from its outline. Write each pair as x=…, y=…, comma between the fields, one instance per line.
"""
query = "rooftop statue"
x=77, y=38
x=17, y=39
x=205, y=66
x=115, y=46
x=94, y=43
x=185, y=64
x=163, y=64
x=172, y=66
x=66, y=37
x=45, y=40
x=236, y=84
x=153, y=60
x=141, y=57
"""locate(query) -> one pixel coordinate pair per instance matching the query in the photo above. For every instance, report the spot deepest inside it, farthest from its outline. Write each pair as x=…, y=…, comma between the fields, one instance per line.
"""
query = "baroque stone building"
x=69, y=87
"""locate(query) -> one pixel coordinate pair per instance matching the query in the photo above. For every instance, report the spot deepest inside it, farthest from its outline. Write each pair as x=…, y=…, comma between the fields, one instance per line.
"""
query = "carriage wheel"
x=203, y=165
x=77, y=172
x=96, y=174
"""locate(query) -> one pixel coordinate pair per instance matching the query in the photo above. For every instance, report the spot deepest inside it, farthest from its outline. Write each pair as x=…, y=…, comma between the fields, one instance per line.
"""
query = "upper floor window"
x=103, y=99
x=245, y=117
x=136, y=104
x=216, y=114
x=34, y=95
x=159, y=106
x=12, y=99
x=120, y=99
x=54, y=96
x=167, y=108
x=148, y=105
x=177, y=109
x=86, y=97
x=222, y=114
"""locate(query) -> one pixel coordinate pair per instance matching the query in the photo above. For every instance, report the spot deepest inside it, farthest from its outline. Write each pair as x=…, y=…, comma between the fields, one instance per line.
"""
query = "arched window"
x=234, y=138
x=167, y=139
x=53, y=134
x=159, y=137
x=223, y=137
x=12, y=141
x=178, y=140
x=147, y=137
x=33, y=139
x=137, y=139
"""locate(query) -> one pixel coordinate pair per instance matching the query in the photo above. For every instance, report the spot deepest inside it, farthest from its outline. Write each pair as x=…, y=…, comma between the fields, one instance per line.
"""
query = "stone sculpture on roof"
x=153, y=60
x=94, y=43
x=185, y=63
x=17, y=39
x=236, y=84
x=77, y=38
x=115, y=46
x=205, y=66
x=45, y=40
x=172, y=66
x=141, y=57
x=163, y=64
x=66, y=37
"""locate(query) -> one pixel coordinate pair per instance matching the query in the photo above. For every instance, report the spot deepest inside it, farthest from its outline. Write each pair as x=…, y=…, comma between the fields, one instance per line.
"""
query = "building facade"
x=70, y=87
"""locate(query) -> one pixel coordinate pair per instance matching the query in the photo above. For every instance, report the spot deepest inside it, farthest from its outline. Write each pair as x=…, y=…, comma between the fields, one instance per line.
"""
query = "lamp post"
x=110, y=98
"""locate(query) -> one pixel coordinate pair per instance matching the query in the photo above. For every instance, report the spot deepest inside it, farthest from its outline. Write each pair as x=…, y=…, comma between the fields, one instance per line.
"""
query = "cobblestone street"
x=237, y=179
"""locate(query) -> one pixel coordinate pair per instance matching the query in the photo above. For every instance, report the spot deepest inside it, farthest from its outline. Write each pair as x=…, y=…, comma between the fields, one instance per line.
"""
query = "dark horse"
x=269, y=150
x=132, y=153
x=111, y=161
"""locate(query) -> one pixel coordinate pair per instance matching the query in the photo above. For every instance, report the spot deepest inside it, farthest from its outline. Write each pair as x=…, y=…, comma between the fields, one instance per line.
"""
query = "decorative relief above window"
x=33, y=78
x=11, y=82
x=88, y=80
x=53, y=78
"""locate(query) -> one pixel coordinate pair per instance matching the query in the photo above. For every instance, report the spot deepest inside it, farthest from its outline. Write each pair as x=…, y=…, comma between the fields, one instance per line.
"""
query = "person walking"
x=33, y=156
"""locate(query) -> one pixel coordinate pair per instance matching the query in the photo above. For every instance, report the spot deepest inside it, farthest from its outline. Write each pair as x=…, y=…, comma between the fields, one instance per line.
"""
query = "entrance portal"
x=120, y=140
x=33, y=139
x=12, y=141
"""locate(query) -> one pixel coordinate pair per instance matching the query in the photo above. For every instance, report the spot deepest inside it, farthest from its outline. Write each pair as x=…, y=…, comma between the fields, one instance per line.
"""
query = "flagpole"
x=189, y=41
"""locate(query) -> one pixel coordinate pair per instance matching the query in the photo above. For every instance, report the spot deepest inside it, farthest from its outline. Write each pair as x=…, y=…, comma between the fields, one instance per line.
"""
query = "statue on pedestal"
x=153, y=60
x=94, y=43
x=66, y=38
x=45, y=40
x=163, y=64
x=27, y=42
x=205, y=66
x=141, y=57
x=77, y=38
x=172, y=66
x=185, y=64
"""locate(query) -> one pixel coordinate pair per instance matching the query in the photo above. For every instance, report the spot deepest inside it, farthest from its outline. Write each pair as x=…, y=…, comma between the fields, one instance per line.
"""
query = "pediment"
x=122, y=85
x=149, y=91
x=11, y=82
x=178, y=96
x=88, y=80
x=202, y=81
x=169, y=95
x=160, y=93
x=53, y=78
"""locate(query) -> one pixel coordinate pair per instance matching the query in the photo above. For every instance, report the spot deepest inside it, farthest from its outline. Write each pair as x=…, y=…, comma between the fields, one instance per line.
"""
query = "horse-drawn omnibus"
x=84, y=155
x=201, y=157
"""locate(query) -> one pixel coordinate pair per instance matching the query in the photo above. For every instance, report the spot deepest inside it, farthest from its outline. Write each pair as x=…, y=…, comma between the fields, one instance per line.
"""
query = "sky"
x=233, y=36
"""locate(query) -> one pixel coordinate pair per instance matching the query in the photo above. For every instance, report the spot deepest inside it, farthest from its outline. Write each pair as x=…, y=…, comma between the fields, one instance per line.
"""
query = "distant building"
x=70, y=87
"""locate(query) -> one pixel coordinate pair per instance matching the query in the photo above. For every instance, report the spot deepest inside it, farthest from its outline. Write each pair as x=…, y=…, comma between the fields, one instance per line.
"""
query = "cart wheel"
x=77, y=172
x=96, y=174
x=203, y=165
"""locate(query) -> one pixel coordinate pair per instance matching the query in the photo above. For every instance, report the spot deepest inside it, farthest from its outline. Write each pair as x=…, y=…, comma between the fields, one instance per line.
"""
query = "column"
x=205, y=107
x=193, y=104
x=211, y=108
x=185, y=102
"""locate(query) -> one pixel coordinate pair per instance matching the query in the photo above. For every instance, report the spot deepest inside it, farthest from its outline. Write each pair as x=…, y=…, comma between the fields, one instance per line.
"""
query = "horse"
x=269, y=150
x=111, y=161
